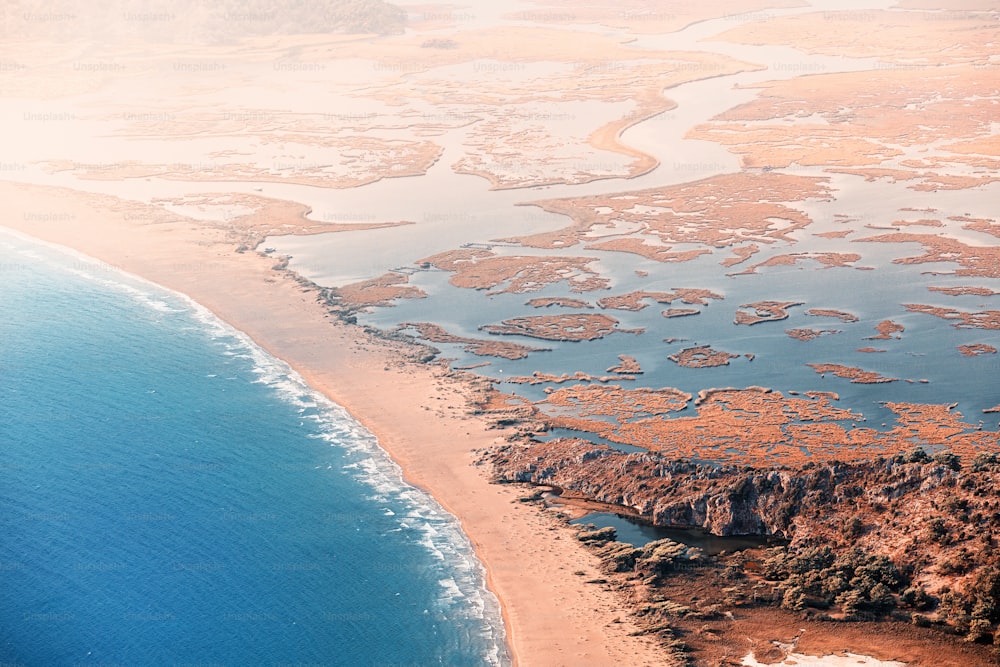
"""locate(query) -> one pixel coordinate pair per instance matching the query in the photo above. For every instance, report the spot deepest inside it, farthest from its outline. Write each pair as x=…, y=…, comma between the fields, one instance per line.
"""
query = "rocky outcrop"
x=795, y=503
x=913, y=533
x=655, y=558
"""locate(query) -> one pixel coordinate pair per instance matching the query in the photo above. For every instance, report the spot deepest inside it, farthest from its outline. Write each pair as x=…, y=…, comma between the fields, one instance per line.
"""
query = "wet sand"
x=552, y=616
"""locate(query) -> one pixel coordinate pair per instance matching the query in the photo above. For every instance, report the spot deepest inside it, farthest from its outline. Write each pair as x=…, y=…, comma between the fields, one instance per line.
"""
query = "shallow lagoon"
x=639, y=533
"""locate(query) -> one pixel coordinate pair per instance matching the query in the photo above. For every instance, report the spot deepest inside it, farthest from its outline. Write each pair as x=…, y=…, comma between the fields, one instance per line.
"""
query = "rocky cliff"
x=932, y=517
x=736, y=500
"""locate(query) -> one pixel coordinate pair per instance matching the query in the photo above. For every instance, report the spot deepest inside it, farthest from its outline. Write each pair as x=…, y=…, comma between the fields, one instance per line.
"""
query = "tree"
x=794, y=599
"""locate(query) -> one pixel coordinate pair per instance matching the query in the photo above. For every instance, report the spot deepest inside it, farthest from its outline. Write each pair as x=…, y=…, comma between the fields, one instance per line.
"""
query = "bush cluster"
x=860, y=584
x=975, y=612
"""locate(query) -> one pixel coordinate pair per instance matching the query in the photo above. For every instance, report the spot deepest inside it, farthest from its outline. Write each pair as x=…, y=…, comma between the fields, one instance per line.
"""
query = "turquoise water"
x=170, y=495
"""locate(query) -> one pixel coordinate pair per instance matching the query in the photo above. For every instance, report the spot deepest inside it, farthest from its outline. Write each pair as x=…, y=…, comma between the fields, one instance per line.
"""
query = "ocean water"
x=171, y=495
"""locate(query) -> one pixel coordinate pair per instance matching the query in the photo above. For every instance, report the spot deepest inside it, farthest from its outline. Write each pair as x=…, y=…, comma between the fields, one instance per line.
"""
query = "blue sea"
x=171, y=495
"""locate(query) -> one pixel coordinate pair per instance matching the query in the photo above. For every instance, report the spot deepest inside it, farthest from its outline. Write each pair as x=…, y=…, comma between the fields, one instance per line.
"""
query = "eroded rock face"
x=805, y=504
x=907, y=534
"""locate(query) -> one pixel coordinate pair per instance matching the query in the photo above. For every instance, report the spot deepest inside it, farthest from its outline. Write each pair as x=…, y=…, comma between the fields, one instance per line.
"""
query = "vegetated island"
x=570, y=327
x=764, y=311
x=805, y=334
x=856, y=375
x=702, y=356
x=827, y=312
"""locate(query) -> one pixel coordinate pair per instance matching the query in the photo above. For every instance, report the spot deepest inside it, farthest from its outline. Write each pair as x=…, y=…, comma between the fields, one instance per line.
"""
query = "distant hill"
x=193, y=21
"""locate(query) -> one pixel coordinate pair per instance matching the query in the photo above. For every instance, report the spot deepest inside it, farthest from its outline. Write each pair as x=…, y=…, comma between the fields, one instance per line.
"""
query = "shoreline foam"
x=551, y=616
x=462, y=592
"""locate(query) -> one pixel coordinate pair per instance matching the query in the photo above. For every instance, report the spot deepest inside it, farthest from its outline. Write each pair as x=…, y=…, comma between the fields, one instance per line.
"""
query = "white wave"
x=451, y=588
x=140, y=296
x=30, y=254
x=439, y=532
x=98, y=272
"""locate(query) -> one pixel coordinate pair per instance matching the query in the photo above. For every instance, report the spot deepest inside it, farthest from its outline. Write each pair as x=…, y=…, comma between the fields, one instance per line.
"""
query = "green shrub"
x=937, y=531
x=949, y=459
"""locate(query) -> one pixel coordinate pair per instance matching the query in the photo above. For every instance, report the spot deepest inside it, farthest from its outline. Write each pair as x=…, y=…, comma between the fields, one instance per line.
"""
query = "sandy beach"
x=533, y=564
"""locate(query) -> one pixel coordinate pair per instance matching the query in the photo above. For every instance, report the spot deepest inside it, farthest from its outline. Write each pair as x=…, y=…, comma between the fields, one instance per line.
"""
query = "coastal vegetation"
x=908, y=538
